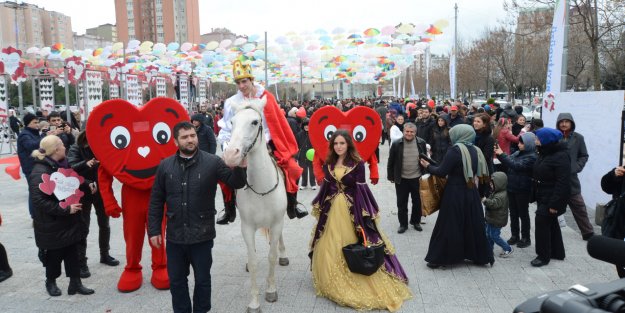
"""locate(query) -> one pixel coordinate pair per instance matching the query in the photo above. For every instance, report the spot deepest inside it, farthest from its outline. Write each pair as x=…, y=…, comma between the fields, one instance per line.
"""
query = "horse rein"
x=247, y=150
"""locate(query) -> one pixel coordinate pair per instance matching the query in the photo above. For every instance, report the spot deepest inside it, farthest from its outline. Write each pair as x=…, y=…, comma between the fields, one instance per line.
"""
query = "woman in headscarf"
x=552, y=172
x=439, y=139
x=459, y=233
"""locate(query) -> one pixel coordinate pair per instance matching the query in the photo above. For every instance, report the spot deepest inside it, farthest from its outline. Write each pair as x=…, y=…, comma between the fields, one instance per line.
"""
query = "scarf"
x=462, y=136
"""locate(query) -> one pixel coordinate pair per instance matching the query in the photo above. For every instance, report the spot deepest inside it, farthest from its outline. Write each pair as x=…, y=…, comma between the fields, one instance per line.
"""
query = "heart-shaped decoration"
x=362, y=123
x=11, y=62
x=47, y=186
x=65, y=186
x=116, y=130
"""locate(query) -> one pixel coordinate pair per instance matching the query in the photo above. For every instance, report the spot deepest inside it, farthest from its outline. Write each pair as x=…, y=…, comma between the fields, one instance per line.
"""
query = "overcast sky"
x=278, y=17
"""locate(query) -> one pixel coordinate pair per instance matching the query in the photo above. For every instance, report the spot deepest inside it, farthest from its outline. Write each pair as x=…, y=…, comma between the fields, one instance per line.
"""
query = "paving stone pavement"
x=461, y=288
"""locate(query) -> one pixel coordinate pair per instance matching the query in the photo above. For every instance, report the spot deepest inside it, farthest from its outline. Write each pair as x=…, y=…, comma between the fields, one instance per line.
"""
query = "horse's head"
x=247, y=130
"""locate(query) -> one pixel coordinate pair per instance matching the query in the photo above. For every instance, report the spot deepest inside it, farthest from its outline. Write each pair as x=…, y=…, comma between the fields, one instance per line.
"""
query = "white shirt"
x=225, y=123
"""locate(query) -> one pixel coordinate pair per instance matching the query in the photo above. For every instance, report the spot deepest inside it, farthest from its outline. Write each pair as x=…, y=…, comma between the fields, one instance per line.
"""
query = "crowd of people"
x=494, y=161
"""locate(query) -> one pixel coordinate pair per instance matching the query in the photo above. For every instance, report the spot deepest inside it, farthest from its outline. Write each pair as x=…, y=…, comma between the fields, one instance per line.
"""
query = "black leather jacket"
x=396, y=159
x=188, y=188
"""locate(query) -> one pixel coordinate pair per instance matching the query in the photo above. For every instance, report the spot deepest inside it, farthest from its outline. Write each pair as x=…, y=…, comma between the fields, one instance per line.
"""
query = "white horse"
x=262, y=203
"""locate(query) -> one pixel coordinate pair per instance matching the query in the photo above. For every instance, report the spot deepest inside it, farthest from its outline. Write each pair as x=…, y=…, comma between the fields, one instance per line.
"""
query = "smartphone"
x=425, y=157
x=52, y=127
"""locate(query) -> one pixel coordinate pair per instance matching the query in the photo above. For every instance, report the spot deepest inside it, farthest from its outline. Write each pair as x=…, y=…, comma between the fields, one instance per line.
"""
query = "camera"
x=590, y=298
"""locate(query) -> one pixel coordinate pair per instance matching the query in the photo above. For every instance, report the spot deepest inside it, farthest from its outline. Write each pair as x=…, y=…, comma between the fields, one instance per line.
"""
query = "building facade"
x=107, y=32
x=162, y=21
x=219, y=34
x=86, y=41
x=24, y=25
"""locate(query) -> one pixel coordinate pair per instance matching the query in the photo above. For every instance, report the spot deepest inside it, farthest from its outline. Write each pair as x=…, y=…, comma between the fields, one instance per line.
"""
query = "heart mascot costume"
x=361, y=122
x=130, y=142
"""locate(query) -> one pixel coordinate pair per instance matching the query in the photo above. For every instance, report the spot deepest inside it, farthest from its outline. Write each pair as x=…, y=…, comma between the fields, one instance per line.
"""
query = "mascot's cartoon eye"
x=161, y=133
x=120, y=137
x=359, y=133
x=255, y=123
x=329, y=131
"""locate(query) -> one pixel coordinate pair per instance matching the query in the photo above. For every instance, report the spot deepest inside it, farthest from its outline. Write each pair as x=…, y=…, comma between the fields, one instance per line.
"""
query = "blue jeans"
x=179, y=258
x=494, y=237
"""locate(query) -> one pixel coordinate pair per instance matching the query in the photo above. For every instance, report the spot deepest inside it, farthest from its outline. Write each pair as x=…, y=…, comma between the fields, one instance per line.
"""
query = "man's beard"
x=186, y=151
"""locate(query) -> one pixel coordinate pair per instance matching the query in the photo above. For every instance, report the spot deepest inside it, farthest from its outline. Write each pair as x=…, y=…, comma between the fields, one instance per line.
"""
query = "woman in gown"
x=343, y=207
x=459, y=233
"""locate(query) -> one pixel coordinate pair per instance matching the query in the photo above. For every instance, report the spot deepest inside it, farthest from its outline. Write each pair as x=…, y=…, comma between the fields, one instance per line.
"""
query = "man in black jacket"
x=187, y=182
x=404, y=170
x=205, y=135
x=579, y=156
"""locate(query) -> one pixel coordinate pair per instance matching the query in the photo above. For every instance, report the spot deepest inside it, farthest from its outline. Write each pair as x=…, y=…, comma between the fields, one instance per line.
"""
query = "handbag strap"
x=364, y=238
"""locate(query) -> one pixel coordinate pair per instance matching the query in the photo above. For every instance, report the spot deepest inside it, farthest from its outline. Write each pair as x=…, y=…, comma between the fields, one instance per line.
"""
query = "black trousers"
x=4, y=260
x=307, y=175
x=104, y=228
x=179, y=258
x=408, y=188
x=68, y=255
x=549, y=242
x=519, y=210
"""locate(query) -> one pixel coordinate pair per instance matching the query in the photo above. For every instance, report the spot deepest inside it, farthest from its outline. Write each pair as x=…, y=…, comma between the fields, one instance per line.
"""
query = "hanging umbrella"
x=371, y=32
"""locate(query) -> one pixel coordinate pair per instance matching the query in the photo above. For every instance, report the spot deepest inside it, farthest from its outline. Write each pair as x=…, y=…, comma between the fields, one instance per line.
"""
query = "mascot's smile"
x=144, y=173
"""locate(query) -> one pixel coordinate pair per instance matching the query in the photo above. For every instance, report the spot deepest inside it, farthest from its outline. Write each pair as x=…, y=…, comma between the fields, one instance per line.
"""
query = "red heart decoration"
x=47, y=186
x=131, y=141
x=363, y=123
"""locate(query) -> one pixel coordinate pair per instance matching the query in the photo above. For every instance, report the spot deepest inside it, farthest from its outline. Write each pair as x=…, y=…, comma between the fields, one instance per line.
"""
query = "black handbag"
x=362, y=258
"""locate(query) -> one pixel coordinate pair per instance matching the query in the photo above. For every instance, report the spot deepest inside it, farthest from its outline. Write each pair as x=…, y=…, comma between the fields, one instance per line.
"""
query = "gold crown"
x=240, y=70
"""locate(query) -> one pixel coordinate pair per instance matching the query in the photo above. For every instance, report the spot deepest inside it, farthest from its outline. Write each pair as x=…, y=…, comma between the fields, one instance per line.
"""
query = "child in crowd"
x=497, y=213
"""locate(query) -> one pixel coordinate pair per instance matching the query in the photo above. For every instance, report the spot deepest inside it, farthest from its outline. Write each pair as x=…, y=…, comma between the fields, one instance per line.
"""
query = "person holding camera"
x=27, y=141
x=57, y=229
x=613, y=183
x=61, y=129
x=551, y=176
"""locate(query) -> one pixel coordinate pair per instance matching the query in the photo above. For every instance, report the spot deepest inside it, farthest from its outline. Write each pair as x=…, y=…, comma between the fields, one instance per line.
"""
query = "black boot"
x=292, y=210
x=76, y=286
x=108, y=260
x=4, y=275
x=84, y=271
x=230, y=213
x=52, y=289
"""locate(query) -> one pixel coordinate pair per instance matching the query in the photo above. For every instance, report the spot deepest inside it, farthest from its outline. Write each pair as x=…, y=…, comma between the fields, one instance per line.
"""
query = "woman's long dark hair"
x=486, y=121
x=352, y=153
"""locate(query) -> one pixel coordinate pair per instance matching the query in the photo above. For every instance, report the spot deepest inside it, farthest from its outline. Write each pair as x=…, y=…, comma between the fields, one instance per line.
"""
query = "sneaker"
x=561, y=221
x=302, y=188
x=314, y=188
x=506, y=254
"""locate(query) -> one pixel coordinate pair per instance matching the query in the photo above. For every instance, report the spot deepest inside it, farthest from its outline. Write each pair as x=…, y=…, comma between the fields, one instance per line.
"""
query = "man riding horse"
x=277, y=132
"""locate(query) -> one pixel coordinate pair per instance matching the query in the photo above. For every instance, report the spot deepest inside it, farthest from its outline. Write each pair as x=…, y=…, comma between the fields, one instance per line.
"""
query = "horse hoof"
x=256, y=310
x=283, y=261
x=247, y=269
x=271, y=296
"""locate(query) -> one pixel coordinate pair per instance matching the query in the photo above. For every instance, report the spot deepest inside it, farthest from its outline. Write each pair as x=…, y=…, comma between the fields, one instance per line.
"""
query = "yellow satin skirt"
x=333, y=279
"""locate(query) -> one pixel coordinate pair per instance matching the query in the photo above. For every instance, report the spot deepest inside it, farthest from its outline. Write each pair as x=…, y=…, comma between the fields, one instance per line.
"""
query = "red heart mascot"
x=361, y=122
x=130, y=142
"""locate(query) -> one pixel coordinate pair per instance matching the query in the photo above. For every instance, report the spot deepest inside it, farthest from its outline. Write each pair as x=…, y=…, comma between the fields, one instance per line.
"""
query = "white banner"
x=46, y=94
x=161, y=87
x=202, y=90
x=94, y=89
x=113, y=91
x=184, y=91
x=452, y=74
x=133, y=90
x=592, y=111
x=427, y=72
x=556, y=47
x=4, y=101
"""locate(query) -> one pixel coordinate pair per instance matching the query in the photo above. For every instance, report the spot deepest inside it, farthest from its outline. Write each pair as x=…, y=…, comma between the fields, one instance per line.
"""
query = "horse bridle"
x=247, y=150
